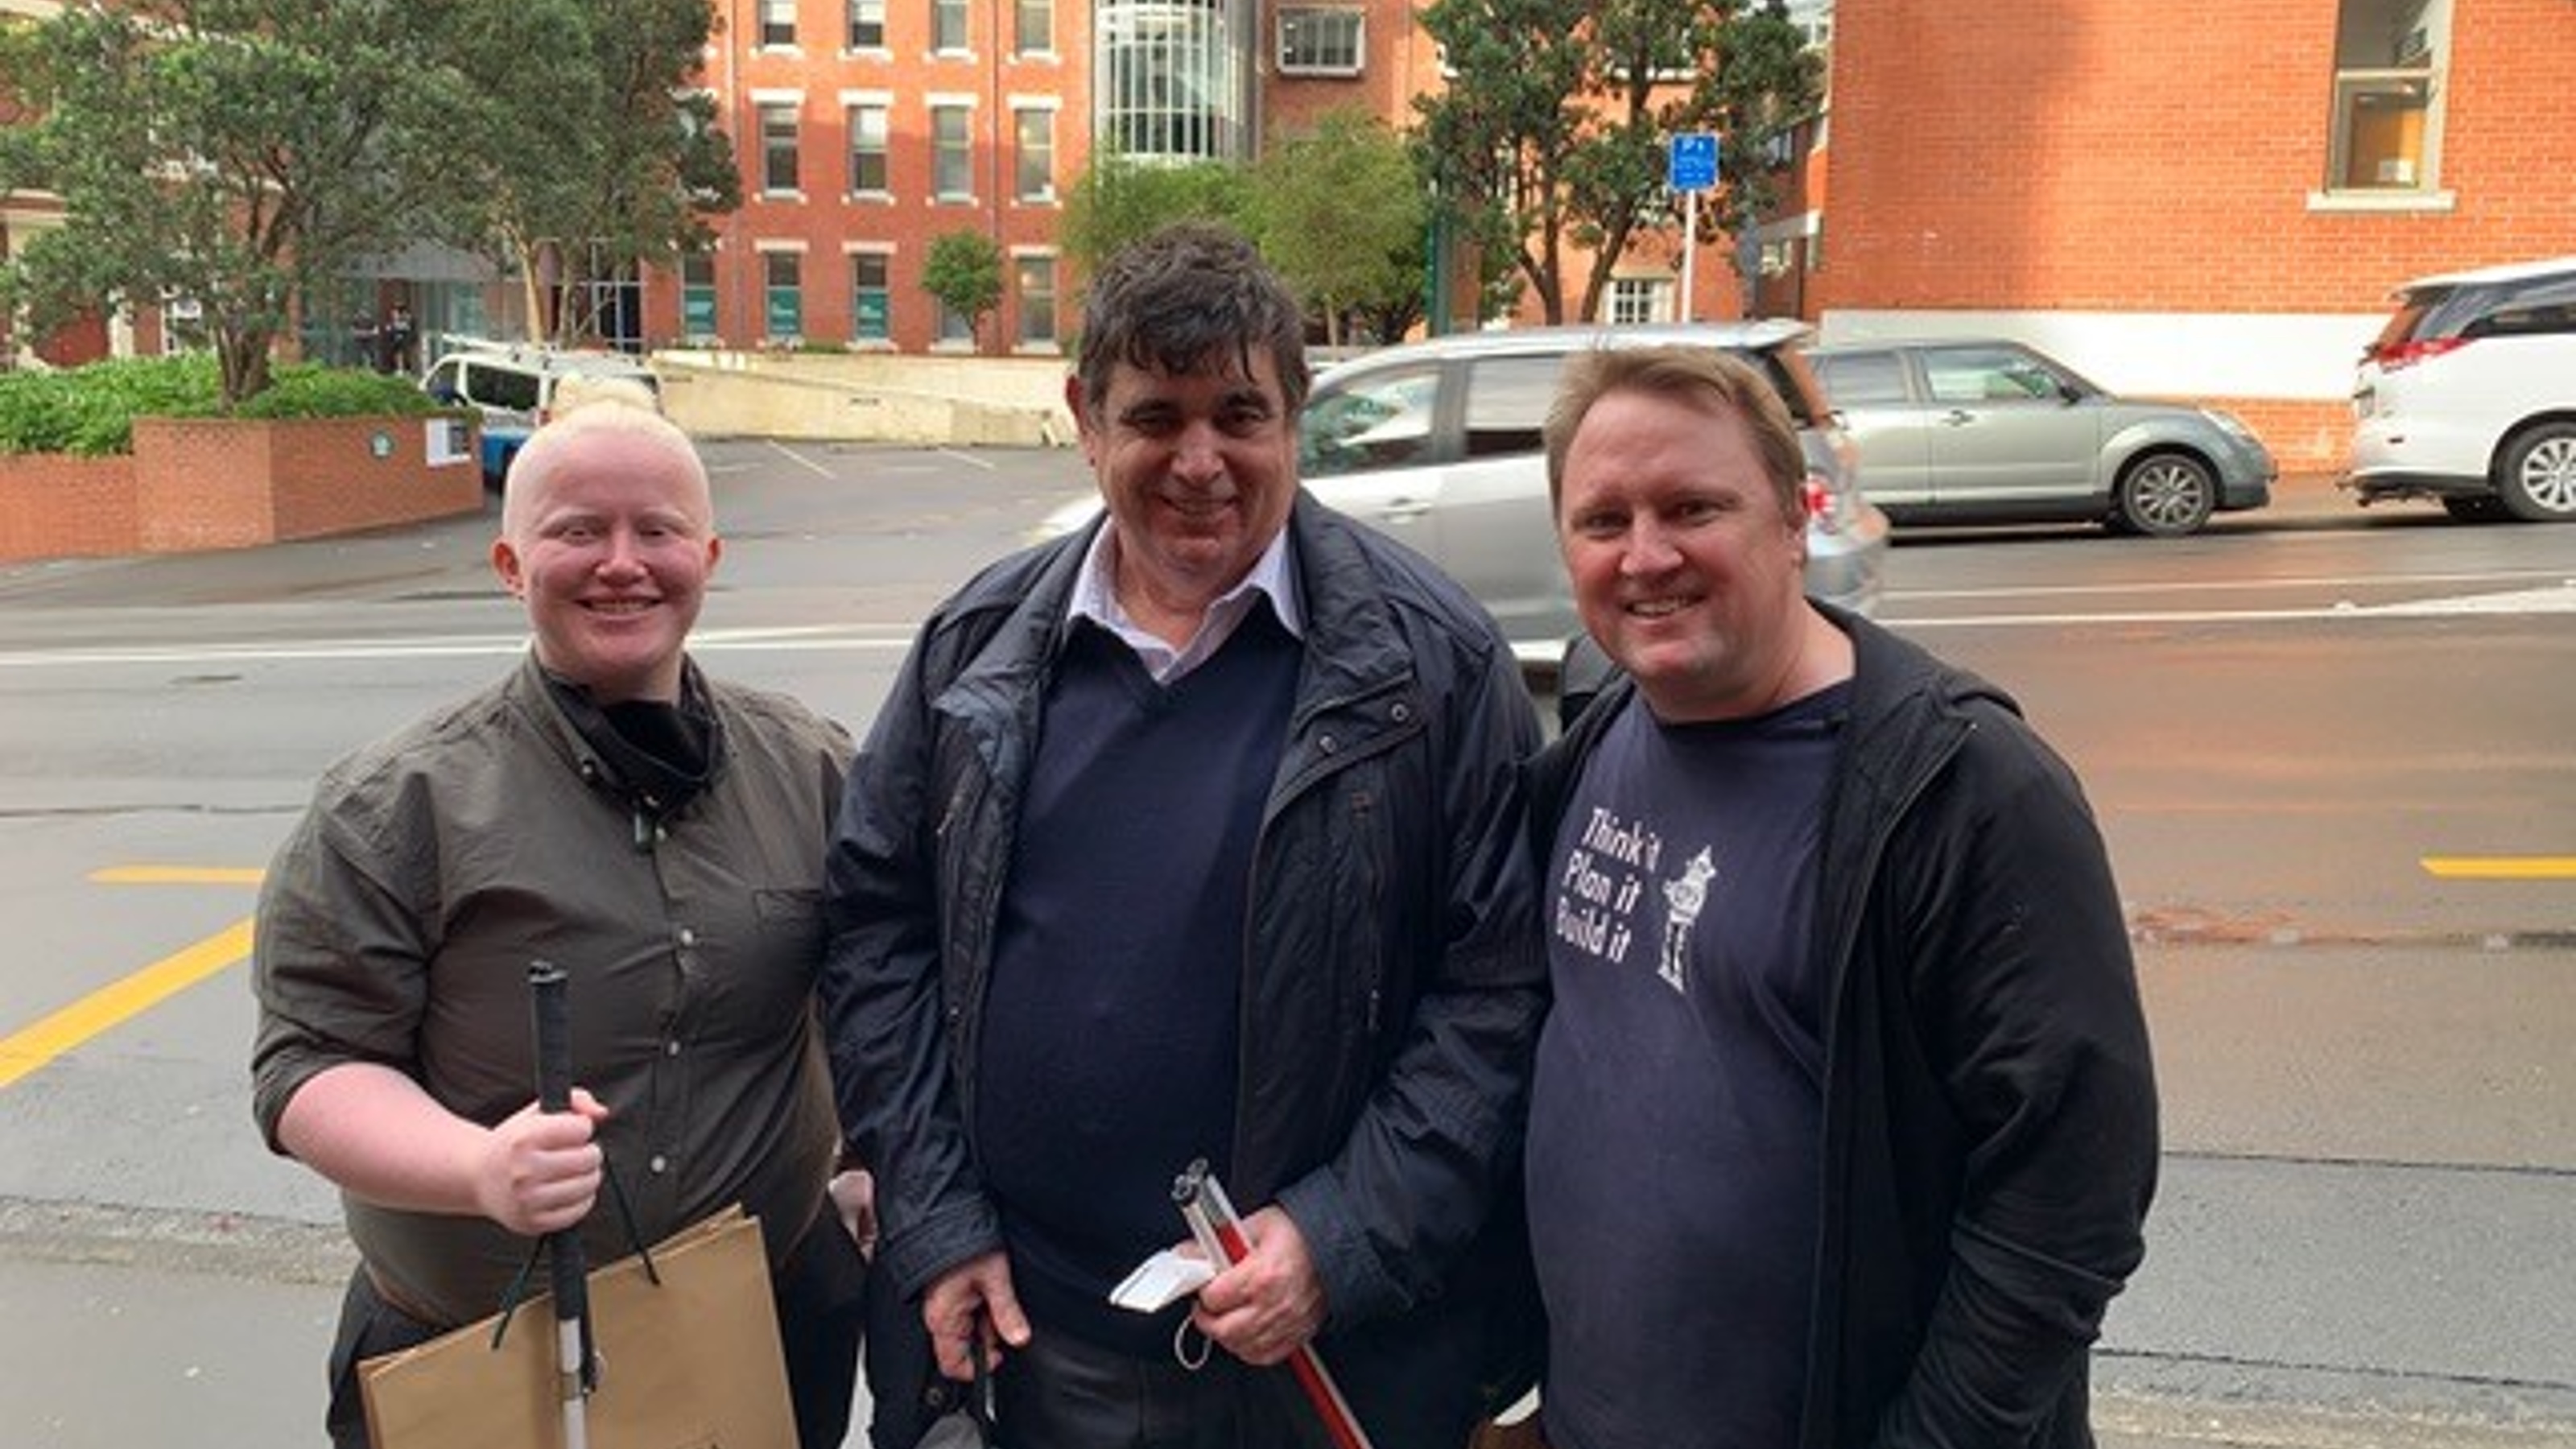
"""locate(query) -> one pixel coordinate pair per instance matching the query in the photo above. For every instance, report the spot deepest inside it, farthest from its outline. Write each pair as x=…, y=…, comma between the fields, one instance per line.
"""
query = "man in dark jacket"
x=1191, y=835
x=1843, y=1129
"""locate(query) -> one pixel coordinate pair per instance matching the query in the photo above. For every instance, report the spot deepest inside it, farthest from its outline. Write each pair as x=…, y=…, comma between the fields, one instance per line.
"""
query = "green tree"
x=589, y=149
x=1117, y=199
x=226, y=151
x=964, y=271
x=1341, y=214
x=1561, y=112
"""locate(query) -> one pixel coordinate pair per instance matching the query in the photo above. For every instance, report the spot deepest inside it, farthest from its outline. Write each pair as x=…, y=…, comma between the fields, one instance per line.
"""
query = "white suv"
x=2469, y=395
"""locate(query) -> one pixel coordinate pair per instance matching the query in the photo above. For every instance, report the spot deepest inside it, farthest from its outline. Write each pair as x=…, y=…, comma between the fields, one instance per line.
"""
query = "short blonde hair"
x=613, y=405
x=579, y=390
x=1705, y=379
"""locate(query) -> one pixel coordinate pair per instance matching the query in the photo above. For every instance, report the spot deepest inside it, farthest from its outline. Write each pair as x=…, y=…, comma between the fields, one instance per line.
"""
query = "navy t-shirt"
x=1674, y=1133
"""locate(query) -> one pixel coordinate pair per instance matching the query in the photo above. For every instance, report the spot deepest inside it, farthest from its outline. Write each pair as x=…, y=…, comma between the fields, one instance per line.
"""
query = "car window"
x=1986, y=375
x=1382, y=421
x=501, y=387
x=2538, y=307
x=1862, y=379
x=1507, y=401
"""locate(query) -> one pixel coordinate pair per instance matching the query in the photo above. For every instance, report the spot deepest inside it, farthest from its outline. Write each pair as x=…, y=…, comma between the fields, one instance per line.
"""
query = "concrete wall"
x=869, y=397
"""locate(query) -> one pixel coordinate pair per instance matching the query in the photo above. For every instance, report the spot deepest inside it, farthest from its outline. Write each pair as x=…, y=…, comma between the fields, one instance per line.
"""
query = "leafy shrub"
x=90, y=410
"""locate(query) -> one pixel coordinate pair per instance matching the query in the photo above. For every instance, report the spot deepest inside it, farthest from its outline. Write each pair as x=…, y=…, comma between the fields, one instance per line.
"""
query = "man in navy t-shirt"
x=1843, y=1127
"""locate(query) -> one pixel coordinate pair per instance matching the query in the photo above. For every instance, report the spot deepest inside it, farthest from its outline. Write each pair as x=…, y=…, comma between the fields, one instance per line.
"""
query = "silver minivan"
x=1437, y=443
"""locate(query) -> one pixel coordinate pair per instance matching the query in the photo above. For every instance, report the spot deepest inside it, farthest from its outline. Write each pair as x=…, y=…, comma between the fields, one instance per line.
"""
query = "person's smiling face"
x=1198, y=471
x=1684, y=566
x=610, y=541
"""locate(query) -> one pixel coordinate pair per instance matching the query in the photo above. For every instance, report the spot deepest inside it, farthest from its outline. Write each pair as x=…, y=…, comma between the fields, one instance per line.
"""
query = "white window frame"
x=943, y=155
x=859, y=12
x=2391, y=56
x=767, y=252
x=763, y=103
x=1635, y=301
x=883, y=253
x=766, y=17
x=1311, y=40
x=1021, y=112
x=881, y=104
x=1022, y=313
x=947, y=13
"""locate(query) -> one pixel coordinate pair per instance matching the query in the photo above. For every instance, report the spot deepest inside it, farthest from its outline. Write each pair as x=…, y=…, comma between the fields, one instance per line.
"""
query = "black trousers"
x=1061, y=1392
x=819, y=1317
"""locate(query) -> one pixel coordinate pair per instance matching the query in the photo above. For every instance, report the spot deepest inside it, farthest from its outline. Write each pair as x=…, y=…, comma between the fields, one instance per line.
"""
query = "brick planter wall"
x=205, y=483
x=53, y=505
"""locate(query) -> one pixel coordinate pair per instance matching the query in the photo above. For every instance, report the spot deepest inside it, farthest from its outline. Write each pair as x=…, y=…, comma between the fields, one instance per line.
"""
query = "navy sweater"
x=1110, y=1030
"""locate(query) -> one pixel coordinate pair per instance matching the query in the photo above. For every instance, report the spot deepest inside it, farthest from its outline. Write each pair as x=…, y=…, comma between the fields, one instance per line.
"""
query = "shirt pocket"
x=791, y=922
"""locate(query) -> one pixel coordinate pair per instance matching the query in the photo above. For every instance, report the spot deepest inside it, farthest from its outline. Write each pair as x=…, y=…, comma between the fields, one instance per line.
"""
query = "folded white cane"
x=1220, y=1234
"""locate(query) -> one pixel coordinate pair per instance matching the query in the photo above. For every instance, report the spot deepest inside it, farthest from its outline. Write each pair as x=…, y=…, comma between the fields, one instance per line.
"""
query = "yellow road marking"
x=2502, y=867
x=177, y=875
x=24, y=1051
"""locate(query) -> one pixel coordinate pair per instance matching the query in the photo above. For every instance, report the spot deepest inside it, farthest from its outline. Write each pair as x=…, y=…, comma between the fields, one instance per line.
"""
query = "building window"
x=948, y=25
x=867, y=24
x=1640, y=299
x=1033, y=278
x=1033, y=166
x=698, y=296
x=1033, y=27
x=868, y=150
x=1174, y=80
x=1320, y=42
x=2389, y=57
x=777, y=22
x=954, y=326
x=782, y=296
x=778, y=146
x=871, y=297
x=952, y=153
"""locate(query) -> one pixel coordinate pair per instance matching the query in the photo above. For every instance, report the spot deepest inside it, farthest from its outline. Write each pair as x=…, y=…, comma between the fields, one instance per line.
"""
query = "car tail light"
x=2391, y=356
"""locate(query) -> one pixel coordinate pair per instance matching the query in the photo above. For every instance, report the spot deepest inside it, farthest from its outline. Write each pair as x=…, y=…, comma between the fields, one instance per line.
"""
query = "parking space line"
x=2501, y=867
x=177, y=875
x=120, y=1001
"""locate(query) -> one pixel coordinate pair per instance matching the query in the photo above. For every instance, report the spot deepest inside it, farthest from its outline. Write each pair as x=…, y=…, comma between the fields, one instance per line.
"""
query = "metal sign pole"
x=1690, y=250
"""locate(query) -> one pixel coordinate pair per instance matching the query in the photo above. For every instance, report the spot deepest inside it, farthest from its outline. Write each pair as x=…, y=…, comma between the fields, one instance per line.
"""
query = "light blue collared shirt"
x=1095, y=597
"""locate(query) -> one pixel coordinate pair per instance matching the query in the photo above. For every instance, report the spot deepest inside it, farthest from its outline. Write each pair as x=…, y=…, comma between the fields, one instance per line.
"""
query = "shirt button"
x=671, y=1048
x=688, y=937
x=1401, y=713
x=660, y=1164
x=1329, y=744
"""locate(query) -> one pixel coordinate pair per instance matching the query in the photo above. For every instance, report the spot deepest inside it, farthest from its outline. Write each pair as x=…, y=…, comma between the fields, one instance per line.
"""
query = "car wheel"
x=2539, y=480
x=2166, y=495
x=2483, y=508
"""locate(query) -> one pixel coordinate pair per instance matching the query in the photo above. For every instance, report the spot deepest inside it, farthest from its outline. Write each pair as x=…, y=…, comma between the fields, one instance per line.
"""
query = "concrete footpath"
x=120, y=1330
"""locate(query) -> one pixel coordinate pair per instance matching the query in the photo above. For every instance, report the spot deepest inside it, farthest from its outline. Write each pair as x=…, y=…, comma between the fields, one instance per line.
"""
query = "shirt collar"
x=1096, y=599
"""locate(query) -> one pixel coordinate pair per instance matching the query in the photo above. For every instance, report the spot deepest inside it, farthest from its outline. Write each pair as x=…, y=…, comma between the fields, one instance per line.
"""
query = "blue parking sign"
x=1693, y=166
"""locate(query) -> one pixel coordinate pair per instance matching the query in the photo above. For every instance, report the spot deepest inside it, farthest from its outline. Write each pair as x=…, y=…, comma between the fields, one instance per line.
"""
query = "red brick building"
x=867, y=128
x=2205, y=199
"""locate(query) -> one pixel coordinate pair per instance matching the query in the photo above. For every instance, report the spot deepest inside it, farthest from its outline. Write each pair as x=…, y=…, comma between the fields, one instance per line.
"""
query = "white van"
x=512, y=385
x=2469, y=395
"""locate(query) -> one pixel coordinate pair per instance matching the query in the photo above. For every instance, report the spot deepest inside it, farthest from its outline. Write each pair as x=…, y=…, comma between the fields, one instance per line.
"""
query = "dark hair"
x=1706, y=379
x=1181, y=299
